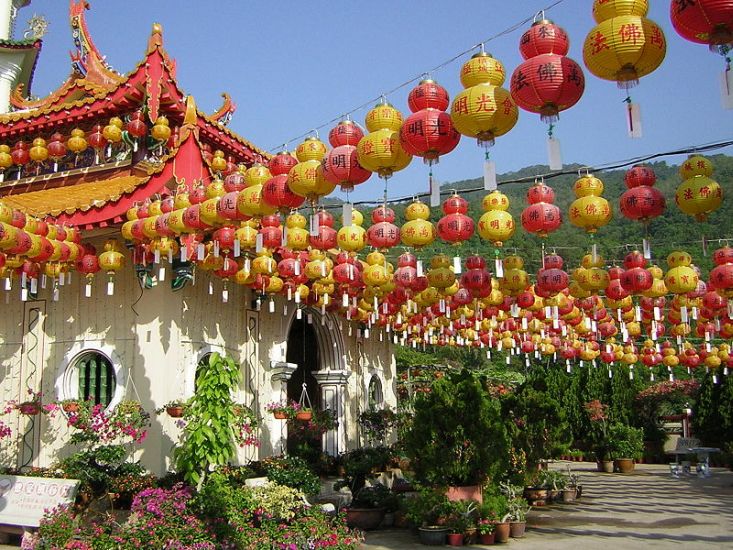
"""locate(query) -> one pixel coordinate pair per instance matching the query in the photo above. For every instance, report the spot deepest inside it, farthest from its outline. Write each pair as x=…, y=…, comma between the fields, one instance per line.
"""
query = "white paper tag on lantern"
x=499, y=268
x=657, y=314
x=694, y=313
x=224, y=295
x=34, y=285
x=284, y=236
x=647, y=249
x=683, y=315
x=313, y=225
x=237, y=248
x=62, y=278
x=554, y=155
x=88, y=290
x=43, y=280
x=633, y=120
x=490, y=183
x=55, y=294
x=346, y=216
x=24, y=294
x=8, y=284
x=434, y=192
x=726, y=89
x=211, y=288
x=419, y=269
x=457, y=265
x=730, y=308
x=296, y=268
x=183, y=253
x=161, y=275
x=200, y=252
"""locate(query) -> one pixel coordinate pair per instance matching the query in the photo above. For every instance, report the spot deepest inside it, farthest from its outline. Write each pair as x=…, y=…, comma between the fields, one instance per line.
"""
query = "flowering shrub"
x=33, y=405
x=245, y=424
x=288, y=408
x=669, y=388
x=96, y=424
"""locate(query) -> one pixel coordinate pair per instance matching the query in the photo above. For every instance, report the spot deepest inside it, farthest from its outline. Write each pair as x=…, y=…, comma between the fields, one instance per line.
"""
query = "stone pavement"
x=646, y=509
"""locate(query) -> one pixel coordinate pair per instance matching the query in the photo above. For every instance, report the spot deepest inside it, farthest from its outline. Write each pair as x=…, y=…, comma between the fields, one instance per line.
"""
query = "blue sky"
x=292, y=66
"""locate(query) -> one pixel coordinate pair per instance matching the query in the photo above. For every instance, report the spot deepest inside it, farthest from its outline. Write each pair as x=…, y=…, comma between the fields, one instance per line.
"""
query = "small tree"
x=457, y=436
x=212, y=421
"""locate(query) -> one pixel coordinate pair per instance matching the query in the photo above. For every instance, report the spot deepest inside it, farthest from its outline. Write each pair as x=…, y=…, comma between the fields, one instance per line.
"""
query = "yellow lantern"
x=113, y=131
x=257, y=174
x=383, y=116
x=215, y=189
x=250, y=202
x=591, y=277
x=484, y=109
x=77, y=143
x=247, y=234
x=440, y=275
x=681, y=278
x=696, y=165
x=264, y=263
x=244, y=277
x=181, y=201
x=296, y=236
x=625, y=45
x=161, y=129
x=209, y=212
x=417, y=231
x=311, y=149
x=39, y=152
x=218, y=162
x=352, y=238
x=176, y=223
x=515, y=279
x=6, y=160
x=496, y=224
x=303, y=178
x=381, y=149
x=589, y=211
x=111, y=261
x=699, y=196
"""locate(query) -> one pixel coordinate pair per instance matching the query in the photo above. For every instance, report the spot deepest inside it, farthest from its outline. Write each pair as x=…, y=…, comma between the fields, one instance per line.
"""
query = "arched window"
x=376, y=399
x=95, y=377
x=203, y=361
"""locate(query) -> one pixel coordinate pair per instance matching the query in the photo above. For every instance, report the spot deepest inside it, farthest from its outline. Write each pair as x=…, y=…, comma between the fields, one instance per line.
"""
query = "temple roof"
x=30, y=49
x=92, y=94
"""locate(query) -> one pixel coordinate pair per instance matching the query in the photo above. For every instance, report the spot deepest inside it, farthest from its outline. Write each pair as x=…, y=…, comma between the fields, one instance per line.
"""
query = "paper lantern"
x=341, y=167
x=277, y=194
x=704, y=21
x=589, y=211
x=380, y=150
x=311, y=148
x=282, y=163
x=625, y=45
x=455, y=226
x=113, y=131
x=417, y=231
x=383, y=233
x=38, y=152
x=271, y=231
x=541, y=217
x=641, y=201
x=345, y=132
x=352, y=238
x=721, y=276
x=496, y=224
x=483, y=110
x=257, y=174
x=547, y=82
x=698, y=195
x=681, y=278
x=296, y=235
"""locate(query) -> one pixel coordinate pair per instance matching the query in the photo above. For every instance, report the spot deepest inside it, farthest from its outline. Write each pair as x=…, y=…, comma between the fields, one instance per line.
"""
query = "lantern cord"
x=418, y=77
x=574, y=171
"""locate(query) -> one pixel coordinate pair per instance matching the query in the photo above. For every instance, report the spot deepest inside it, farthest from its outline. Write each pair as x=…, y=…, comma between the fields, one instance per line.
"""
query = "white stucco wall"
x=155, y=339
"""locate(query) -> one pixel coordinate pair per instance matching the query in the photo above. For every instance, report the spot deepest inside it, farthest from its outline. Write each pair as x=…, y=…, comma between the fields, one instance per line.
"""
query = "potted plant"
x=376, y=425
x=536, y=491
x=626, y=443
x=485, y=528
x=71, y=405
x=599, y=417
x=555, y=482
x=283, y=410
x=304, y=414
x=367, y=509
x=428, y=511
x=175, y=408
x=34, y=405
x=462, y=522
x=570, y=492
x=518, y=509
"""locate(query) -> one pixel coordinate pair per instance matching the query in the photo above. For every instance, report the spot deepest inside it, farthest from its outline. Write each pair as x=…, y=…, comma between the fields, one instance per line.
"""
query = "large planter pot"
x=607, y=466
x=455, y=539
x=433, y=535
x=625, y=465
x=175, y=412
x=568, y=495
x=364, y=518
x=487, y=539
x=280, y=415
x=553, y=495
x=537, y=496
x=501, y=533
x=467, y=492
x=516, y=529
x=388, y=520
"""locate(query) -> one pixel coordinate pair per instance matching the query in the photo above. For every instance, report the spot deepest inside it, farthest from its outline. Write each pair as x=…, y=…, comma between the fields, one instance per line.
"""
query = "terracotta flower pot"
x=364, y=518
x=455, y=539
x=516, y=529
x=568, y=495
x=304, y=415
x=280, y=415
x=625, y=465
x=175, y=412
x=536, y=496
x=607, y=466
x=29, y=408
x=70, y=407
x=501, y=533
x=487, y=539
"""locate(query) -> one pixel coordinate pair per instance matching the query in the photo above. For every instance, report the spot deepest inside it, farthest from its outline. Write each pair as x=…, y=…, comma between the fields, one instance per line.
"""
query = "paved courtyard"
x=646, y=509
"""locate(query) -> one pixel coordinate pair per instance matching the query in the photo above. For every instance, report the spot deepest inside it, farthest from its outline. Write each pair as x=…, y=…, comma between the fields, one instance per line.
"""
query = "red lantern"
x=636, y=280
x=234, y=182
x=345, y=132
x=547, y=82
x=704, y=21
x=136, y=127
x=429, y=131
x=341, y=167
x=282, y=163
x=383, y=233
x=641, y=201
x=615, y=291
x=225, y=237
x=271, y=231
x=276, y=193
x=227, y=207
x=20, y=155
x=552, y=279
x=96, y=138
x=326, y=238
x=455, y=226
x=56, y=149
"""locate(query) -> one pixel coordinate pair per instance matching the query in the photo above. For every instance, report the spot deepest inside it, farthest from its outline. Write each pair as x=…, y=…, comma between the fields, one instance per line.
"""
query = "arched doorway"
x=303, y=350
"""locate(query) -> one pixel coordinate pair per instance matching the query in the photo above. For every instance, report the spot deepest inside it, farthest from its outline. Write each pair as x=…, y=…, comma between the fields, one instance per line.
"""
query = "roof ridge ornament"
x=191, y=115
x=156, y=37
x=87, y=60
x=224, y=114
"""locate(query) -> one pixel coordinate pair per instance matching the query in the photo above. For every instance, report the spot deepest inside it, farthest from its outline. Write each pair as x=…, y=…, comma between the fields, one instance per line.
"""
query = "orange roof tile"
x=83, y=196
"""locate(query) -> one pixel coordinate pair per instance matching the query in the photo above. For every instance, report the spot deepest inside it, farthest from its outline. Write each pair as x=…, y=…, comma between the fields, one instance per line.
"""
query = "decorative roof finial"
x=191, y=115
x=156, y=37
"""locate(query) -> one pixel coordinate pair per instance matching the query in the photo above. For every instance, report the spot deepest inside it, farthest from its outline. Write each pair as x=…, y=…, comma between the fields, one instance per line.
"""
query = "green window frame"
x=96, y=378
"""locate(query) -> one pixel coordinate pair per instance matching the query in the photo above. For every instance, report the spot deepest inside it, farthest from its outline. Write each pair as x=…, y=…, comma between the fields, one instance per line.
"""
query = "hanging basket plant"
x=29, y=408
x=174, y=409
x=304, y=415
x=283, y=410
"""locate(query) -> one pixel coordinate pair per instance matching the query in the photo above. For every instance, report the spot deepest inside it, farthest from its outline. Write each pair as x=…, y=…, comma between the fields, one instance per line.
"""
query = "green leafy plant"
x=625, y=441
x=292, y=471
x=209, y=435
x=377, y=424
x=172, y=404
x=517, y=509
x=457, y=436
x=463, y=515
x=428, y=507
x=493, y=507
x=359, y=463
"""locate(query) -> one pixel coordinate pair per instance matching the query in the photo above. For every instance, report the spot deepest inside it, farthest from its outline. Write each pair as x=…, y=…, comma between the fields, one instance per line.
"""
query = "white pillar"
x=280, y=373
x=332, y=384
x=8, y=12
x=9, y=73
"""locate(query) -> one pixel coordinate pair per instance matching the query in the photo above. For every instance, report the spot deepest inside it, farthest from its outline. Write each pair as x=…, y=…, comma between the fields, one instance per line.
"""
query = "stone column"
x=9, y=72
x=280, y=373
x=332, y=384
